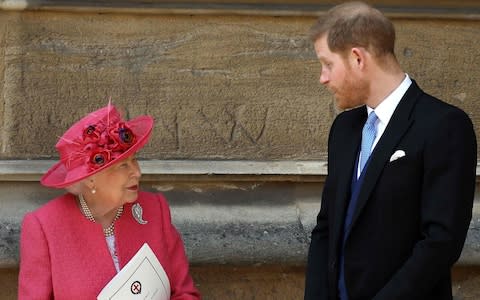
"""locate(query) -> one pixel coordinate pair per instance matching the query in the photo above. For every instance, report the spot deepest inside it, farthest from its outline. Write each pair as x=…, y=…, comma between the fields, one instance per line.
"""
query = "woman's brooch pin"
x=137, y=212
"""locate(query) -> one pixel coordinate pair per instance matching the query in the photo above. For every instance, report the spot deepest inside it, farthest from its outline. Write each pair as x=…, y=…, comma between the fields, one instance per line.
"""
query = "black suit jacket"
x=412, y=213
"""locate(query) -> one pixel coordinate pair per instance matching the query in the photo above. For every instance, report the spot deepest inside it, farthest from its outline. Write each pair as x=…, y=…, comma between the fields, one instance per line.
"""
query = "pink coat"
x=65, y=256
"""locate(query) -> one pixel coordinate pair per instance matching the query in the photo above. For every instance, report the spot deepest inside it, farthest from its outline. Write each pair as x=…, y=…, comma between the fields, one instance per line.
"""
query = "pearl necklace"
x=109, y=231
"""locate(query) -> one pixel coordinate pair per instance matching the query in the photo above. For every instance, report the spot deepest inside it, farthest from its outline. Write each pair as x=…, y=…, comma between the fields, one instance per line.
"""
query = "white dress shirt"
x=385, y=109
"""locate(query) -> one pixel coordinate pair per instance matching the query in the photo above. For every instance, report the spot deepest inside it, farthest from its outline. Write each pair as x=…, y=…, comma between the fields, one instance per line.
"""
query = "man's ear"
x=358, y=57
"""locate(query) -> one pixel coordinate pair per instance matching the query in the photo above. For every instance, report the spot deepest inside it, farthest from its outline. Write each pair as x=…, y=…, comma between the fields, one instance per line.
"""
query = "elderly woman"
x=71, y=247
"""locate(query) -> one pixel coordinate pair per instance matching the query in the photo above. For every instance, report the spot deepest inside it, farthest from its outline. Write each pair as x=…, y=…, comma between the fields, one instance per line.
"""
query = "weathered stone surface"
x=239, y=223
x=221, y=222
x=446, y=9
x=9, y=238
x=230, y=87
x=228, y=222
x=8, y=283
x=443, y=66
x=466, y=281
x=471, y=250
x=266, y=282
x=219, y=282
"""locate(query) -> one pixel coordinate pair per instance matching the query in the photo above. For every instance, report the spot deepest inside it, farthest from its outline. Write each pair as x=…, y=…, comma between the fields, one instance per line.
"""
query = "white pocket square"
x=397, y=155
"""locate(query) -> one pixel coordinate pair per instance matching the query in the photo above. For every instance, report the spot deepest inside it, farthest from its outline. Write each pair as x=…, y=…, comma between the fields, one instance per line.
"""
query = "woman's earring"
x=93, y=190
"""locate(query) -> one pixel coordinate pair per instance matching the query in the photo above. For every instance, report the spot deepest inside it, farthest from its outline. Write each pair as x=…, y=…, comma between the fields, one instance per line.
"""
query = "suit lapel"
x=346, y=154
x=399, y=123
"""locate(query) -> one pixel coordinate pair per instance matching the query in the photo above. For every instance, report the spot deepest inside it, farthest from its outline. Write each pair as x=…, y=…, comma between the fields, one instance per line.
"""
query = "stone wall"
x=239, y=143
x=219, y=87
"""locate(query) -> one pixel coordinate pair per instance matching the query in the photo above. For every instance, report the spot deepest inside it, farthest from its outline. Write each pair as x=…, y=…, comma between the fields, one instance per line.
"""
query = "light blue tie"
x=369, y=133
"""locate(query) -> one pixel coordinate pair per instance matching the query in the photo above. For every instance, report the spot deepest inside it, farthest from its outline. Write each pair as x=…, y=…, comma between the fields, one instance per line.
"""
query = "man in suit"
x=398, y=197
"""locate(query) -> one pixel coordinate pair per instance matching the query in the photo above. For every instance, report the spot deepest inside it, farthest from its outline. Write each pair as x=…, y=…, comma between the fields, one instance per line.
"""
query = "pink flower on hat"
x=103, y=143
x=122, y=136
x=99, y=158
x=91, y=134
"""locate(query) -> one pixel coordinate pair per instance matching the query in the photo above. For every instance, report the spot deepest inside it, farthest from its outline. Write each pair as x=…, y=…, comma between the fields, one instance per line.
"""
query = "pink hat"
x=94, y=143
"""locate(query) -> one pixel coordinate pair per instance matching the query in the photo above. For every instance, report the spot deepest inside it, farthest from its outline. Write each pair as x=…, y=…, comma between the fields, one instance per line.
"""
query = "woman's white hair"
x=77, y=188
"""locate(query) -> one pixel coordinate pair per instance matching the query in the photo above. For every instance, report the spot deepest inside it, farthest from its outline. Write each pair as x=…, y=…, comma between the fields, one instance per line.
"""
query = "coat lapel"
x=399, y=123
x=346, y=155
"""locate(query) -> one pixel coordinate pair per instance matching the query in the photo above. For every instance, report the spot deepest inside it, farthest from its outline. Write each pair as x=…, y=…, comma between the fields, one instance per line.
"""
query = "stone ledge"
x=31, y=170
x=396, y=9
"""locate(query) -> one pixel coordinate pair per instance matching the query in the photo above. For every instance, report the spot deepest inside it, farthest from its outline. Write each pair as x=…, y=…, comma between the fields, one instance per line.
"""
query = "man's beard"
x=352, y=93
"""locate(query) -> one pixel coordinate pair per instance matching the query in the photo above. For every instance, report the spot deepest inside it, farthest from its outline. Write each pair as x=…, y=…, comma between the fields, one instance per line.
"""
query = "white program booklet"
x=143, y=277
